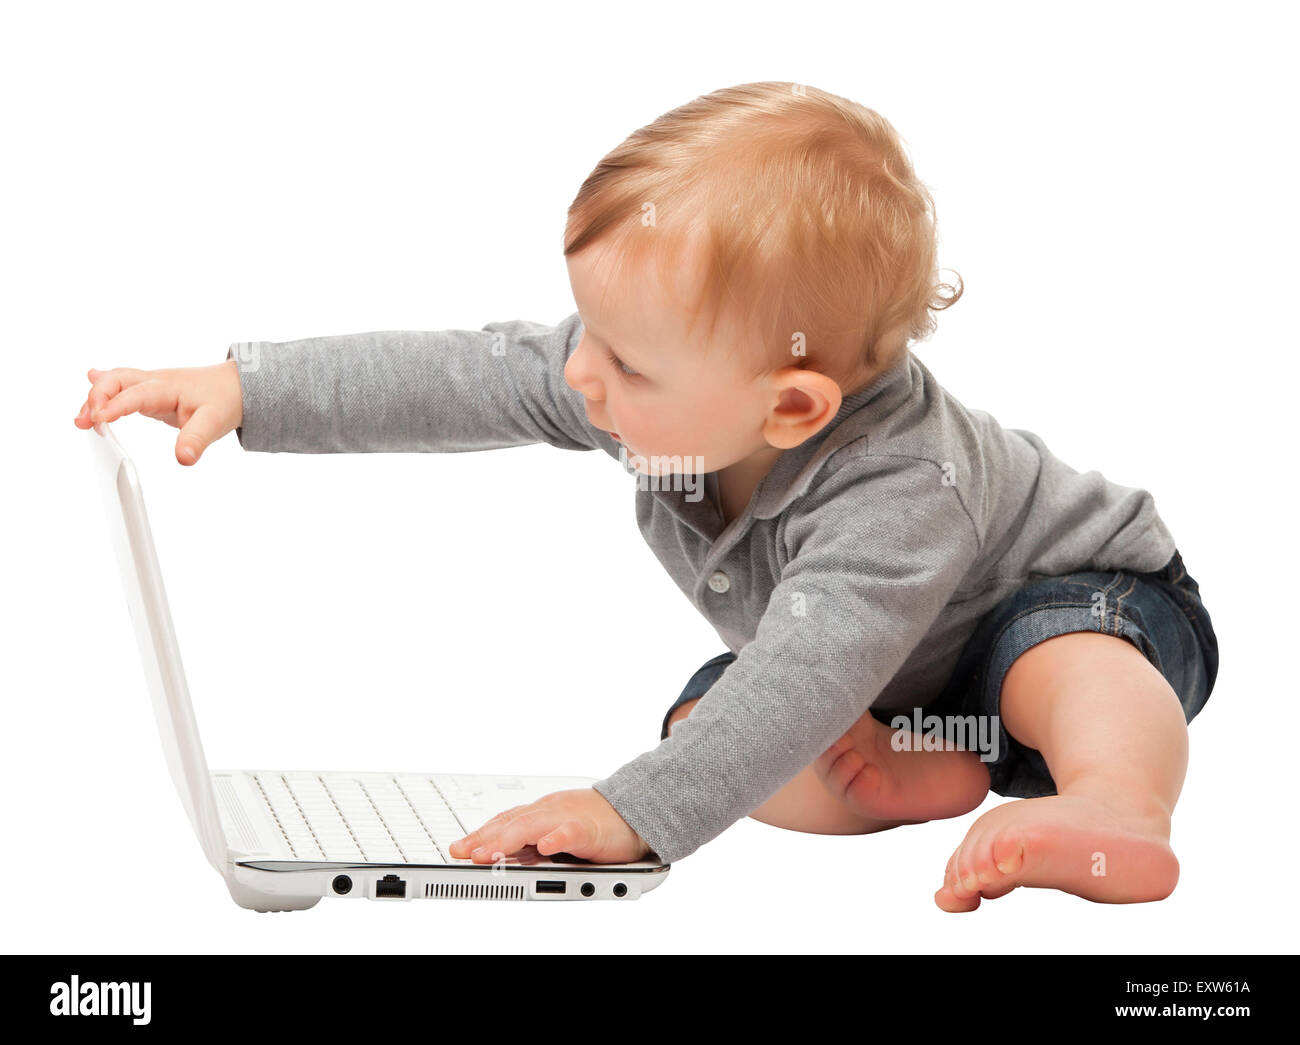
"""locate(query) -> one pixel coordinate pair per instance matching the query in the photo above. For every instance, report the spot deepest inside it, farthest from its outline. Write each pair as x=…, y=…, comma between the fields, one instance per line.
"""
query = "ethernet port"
x=390, y=885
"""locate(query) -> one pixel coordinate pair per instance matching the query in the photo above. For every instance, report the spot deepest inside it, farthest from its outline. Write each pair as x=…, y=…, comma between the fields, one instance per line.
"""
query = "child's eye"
x=621, y=365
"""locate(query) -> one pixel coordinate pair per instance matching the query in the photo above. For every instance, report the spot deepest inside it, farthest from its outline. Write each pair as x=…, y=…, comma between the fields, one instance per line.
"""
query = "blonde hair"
x=814, y=225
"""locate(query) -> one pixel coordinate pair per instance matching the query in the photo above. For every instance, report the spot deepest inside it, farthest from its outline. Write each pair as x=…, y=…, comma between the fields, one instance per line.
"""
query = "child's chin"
x=644, y=463
x=652, y=465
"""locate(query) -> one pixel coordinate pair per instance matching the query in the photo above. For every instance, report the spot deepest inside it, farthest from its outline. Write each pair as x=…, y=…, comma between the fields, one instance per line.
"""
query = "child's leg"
x=860, y=785
x=1107, y=723
x=1089, y=679
x=1113, y=734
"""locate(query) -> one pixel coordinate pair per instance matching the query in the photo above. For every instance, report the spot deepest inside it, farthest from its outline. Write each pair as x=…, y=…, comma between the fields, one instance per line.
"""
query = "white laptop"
x=283, y=839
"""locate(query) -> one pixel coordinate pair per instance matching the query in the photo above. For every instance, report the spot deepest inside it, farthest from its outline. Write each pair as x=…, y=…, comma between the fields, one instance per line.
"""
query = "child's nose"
x=580, y=378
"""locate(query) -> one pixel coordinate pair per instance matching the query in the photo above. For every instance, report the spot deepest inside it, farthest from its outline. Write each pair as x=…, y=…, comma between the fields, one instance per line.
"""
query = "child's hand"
x=204, y=402
x=581, y=822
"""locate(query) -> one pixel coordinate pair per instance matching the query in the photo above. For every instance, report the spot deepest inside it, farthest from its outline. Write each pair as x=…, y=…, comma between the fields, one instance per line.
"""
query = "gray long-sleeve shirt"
x=853, y=578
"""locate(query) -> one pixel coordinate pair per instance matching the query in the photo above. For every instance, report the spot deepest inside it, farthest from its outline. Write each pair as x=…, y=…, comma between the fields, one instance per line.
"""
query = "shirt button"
x=719, y=582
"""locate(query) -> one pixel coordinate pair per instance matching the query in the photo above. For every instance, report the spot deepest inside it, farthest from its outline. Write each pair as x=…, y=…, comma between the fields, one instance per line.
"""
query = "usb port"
x=550, y=887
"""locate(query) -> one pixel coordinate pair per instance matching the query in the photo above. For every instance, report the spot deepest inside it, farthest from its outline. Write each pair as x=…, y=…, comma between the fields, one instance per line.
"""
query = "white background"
x=1114, y=184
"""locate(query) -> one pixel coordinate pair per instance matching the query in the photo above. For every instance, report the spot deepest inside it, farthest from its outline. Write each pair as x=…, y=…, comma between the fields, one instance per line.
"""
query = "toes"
x=954, y=877
x=984, y=867
x=846, y=771
x=964, y=881
x=864, y=789
x=992, y=892
x=984, y=864
x=827, y=760
x=947, y=900
x=1008, y=851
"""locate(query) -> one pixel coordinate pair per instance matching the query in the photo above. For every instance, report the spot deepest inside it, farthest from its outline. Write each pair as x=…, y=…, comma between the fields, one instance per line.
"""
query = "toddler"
x=918, y=604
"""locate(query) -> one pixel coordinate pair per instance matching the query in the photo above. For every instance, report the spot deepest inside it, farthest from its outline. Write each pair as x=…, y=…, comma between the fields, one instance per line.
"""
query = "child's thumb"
x=201, y=430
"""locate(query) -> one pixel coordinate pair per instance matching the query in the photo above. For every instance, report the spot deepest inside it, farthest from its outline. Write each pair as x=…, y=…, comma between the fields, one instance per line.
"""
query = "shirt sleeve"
x=409, y=391
x=871, y=565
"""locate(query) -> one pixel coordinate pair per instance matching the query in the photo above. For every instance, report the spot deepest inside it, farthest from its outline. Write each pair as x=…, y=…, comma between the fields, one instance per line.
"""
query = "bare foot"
x=864, y=771
x=1080, y=844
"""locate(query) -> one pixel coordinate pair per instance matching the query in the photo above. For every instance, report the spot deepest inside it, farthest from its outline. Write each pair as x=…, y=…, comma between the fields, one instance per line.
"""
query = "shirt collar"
x=795, y=468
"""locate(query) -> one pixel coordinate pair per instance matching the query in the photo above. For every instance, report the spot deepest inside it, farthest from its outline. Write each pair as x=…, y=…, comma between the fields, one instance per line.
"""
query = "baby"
x=919, y=605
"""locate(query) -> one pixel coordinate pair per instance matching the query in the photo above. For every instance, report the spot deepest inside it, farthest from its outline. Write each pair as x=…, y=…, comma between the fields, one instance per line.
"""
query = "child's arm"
x=880, y=549
x=437, y=391
x=408, y=391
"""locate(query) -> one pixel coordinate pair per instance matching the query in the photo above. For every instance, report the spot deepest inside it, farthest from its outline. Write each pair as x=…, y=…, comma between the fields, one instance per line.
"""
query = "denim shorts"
x=1160, y=612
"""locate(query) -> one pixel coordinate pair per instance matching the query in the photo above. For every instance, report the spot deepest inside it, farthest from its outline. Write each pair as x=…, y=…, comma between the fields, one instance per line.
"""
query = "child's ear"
x=806, y=402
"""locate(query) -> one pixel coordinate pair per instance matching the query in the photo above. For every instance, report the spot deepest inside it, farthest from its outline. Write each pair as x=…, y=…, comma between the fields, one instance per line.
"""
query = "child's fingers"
x=511, y=836
x=155, y=397
x=462, y=848
x=84, y=413
x=102, y=406
x=104, y=388
x=569, y=837
x=109, y=383
x=92, y=375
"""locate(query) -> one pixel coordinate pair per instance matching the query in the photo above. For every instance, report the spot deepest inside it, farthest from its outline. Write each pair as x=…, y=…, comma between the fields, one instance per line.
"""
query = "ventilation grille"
x=466, y=891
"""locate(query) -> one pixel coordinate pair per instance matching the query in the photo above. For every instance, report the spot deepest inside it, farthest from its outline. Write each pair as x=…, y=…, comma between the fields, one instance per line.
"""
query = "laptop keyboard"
x=366, y=817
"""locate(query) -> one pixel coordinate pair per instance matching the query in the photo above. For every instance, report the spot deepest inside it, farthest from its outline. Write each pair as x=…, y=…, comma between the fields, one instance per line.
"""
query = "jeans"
x=1160, y=612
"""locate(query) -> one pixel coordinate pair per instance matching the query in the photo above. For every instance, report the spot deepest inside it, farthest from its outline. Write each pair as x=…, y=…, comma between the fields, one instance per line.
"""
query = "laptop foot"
x=268, y=903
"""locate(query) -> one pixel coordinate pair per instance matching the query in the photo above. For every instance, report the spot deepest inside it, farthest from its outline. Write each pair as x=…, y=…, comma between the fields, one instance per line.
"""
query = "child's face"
x=688, y=408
